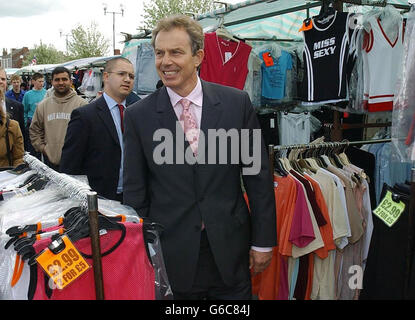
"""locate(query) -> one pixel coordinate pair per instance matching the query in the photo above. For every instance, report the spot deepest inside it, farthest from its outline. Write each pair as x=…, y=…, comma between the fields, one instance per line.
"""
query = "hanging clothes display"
x=268, y=120
x=388, y=269
x=382, y=48
x=91, y=83
x=326, y=47
x=146, y=76
x=388, y=167
x=225, y=61
x=324, y=227
x=124, y=258
x=42, y=210
x=355, y=74
x=403, y=115
x=294, y=127
x=274, y=74
x=253, y=81
x=279, y=73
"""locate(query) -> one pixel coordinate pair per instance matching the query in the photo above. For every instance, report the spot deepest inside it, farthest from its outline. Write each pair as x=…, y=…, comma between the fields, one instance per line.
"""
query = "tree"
x=158, y=9
x=87, y=42
x=45, y=54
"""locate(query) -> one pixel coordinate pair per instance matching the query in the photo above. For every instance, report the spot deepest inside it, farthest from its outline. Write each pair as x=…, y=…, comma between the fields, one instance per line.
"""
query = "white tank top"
x=382, y=59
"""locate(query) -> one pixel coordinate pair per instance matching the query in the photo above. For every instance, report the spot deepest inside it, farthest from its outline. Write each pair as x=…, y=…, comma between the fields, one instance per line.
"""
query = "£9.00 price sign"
x=64, y=267
x=389, y=210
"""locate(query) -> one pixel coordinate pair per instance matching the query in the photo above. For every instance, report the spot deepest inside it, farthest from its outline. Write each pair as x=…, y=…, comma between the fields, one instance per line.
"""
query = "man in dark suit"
x=210, y=240
x=93, y=143
x=13, y=108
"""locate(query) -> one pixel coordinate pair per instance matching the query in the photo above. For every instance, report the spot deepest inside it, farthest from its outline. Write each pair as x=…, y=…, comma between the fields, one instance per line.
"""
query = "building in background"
x=14, y=59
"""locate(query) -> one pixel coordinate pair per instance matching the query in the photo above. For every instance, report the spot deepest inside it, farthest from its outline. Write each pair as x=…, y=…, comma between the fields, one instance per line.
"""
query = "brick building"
x=14, y=59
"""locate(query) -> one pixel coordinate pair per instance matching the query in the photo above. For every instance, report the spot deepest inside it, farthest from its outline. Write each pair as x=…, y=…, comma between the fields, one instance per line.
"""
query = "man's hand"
x=259, y=261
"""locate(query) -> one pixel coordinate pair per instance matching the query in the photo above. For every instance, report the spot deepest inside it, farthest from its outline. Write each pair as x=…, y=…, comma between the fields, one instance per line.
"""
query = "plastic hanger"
x=303, y=163
x=39, y=184
x=225, y=34
x=21, y=167
x=327, y=11
x=293, y=157
x=81, y=228
x=278, y=167
x=30, y=179
x=342, y=154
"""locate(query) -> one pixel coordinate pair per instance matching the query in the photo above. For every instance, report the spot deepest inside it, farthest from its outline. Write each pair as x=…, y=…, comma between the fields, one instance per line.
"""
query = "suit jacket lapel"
x=168, y=119
x=105, y=114
x=211, y=111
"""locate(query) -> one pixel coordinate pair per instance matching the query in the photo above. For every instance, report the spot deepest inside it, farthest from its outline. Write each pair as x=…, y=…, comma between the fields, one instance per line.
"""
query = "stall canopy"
x=276, y=20
x=10, y=71
x=84, y=63
x=267, y=19
x=42, y=68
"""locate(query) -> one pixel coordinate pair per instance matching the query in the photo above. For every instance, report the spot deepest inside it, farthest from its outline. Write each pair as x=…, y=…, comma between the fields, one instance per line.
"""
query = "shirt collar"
x=195, y=97
x=111, y=102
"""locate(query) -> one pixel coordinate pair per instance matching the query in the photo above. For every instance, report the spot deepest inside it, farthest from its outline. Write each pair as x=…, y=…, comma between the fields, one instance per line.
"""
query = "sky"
x=27, y=23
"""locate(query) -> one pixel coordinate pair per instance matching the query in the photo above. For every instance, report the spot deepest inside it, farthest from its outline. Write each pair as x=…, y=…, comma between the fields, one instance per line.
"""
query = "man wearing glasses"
x=93, y=143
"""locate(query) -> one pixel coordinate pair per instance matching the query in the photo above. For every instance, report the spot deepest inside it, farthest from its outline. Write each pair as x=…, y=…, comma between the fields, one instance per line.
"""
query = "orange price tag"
x=65, y=266
x=307, y=25
x=269, y=62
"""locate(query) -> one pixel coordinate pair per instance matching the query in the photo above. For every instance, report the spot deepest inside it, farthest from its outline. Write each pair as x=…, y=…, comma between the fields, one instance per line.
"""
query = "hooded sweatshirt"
x=49, y=124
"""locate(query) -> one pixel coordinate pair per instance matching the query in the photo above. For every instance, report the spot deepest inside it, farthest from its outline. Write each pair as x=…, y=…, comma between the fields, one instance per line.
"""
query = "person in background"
x=11, y=138
x=30, y=101
x=210, y=240
x=14, y=108
x=50, y=120
x=94, y=139
x=16, y=93
x=49, y=92
x=131, y=98
x=23, y=86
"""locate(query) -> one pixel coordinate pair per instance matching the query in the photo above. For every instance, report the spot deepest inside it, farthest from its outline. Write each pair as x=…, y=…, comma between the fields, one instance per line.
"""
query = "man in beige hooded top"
x=51, y=118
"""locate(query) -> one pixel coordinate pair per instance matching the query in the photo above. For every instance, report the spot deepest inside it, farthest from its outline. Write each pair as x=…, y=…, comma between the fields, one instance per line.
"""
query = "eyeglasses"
x=123, y=74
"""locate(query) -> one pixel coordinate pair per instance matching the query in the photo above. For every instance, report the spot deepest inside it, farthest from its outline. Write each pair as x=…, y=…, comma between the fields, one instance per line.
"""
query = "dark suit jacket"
x=16, y=111
x=180, y=196
x=92, y=148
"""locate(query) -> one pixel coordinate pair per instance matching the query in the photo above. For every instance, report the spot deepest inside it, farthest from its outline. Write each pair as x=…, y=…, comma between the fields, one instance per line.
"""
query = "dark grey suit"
x=92, y=148
x=181, y=196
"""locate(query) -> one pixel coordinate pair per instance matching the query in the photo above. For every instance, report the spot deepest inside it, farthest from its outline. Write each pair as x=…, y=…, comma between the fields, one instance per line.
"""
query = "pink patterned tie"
x=190, y=129
x=190, y=126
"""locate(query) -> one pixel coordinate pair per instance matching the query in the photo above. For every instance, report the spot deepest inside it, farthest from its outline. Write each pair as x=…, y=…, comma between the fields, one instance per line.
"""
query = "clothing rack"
x=272, y=149
x=337, y=127
x=381, y=3
x=72, y=188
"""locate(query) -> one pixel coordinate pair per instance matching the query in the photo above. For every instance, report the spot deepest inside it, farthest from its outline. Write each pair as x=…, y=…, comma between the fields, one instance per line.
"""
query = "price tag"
x=388, y=210
x=64, y=267
x=269, y=62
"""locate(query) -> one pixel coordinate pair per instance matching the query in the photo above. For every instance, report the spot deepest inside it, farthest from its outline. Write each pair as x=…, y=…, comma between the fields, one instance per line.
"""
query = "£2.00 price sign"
x=389, y=210
x=65, y=266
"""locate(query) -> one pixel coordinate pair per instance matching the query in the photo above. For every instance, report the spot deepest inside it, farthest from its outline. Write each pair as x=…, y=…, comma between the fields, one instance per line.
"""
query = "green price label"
x=388, y=210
